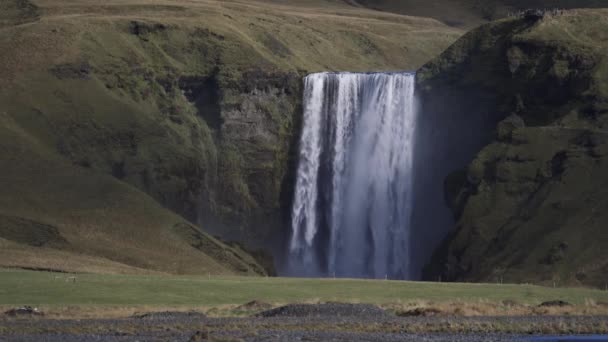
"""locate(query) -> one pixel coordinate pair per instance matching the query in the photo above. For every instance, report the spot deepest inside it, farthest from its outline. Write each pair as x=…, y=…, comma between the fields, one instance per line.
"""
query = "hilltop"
x=471, y=13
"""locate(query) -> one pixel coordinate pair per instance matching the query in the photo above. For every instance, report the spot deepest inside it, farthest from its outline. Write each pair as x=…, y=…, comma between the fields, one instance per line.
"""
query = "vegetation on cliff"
x=532, y=204
x=115, y=115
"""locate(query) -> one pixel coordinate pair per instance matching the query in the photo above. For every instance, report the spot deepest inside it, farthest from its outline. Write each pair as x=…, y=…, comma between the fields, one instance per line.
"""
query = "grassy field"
x=76, y=307
x=470, y=13
x=111, y=294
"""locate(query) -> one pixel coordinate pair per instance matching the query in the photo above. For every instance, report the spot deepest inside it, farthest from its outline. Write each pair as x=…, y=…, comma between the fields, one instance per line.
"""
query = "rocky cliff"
x=529, y=198
x=194, y=104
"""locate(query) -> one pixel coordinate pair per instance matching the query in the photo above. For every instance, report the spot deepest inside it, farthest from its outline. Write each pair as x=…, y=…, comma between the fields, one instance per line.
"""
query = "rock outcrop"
x=530, y=202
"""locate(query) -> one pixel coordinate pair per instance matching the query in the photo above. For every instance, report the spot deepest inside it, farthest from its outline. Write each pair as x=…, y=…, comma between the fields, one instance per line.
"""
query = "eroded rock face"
x=213, y=143
x=530, y=205
x=532, y=209
x=220, y=153
x=260, y=120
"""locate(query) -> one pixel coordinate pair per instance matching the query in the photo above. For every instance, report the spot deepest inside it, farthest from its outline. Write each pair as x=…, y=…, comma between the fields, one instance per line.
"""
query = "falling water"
x=352, y=205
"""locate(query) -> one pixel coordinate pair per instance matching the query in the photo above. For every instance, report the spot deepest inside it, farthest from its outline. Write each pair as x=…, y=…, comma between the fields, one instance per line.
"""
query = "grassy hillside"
x=118, y=116
x=470, y=13
x=532, y=204
x=56, y=216
x=17, y=12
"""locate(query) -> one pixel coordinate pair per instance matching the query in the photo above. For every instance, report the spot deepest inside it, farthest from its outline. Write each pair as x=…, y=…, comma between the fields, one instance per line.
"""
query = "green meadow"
x=19, y=287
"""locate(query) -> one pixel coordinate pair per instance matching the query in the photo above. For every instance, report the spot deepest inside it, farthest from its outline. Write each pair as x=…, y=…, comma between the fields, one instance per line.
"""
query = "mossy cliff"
x=194, y=104
x=530, y=198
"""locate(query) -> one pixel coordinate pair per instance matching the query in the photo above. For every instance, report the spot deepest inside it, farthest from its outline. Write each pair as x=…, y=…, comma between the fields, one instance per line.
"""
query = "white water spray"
x=352, y=205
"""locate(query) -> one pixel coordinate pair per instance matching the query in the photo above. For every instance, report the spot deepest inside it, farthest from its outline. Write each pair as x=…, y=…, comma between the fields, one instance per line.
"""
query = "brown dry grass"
x=15, y=255
x=109, y=226
x=485, y=308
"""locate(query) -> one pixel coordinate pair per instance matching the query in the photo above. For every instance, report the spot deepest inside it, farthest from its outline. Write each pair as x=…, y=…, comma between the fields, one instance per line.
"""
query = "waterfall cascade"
x=352, y=205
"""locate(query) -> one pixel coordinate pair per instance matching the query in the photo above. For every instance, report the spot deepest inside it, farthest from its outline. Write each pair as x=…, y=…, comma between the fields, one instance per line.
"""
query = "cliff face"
x=215, y=150
x=529, y=200
x=195, y=104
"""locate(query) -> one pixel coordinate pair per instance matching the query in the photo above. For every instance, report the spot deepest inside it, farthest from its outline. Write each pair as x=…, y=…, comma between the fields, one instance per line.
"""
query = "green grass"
x=84, y=97
x=470, y=13
x=40, y=288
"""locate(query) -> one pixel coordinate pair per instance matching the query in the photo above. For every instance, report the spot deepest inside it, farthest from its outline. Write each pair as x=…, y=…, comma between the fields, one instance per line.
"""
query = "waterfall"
x=352, y=201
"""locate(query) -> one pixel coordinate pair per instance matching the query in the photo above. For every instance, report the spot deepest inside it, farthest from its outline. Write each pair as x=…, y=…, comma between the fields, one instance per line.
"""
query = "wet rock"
x=456, y=190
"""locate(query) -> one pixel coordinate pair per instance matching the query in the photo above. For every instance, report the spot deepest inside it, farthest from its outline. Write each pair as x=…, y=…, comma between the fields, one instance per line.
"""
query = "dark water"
x=594, y=338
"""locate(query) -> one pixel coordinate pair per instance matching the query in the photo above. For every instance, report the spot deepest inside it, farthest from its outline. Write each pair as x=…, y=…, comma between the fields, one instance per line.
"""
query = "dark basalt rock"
x=170, y=315
x=534, y=15
x=420, y=312
x=553, y=303
x=204, y=93
x=526, y=112
x=325, y=310
x=24, y=311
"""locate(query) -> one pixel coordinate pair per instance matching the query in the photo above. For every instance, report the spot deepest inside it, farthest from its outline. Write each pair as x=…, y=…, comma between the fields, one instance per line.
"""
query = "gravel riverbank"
x=324, y=322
